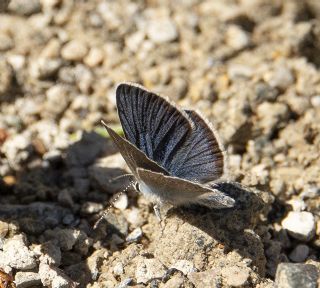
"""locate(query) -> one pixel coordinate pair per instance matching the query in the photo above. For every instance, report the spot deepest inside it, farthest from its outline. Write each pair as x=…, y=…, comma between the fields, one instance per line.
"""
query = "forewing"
x=151, y=123
x=179, y=191
x=201, y=159
x=132, y=155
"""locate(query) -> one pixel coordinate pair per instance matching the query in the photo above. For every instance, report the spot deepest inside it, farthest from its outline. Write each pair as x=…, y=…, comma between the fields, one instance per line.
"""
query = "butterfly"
x=173, y=154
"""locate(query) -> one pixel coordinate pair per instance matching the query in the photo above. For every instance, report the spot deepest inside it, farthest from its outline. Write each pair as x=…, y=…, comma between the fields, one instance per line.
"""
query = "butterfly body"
x=173, y=154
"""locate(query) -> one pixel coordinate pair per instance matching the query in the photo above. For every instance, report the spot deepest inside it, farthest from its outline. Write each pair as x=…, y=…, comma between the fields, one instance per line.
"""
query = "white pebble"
x=122, y=202
x=162, y=31
x=300, y=225
x=184, y=266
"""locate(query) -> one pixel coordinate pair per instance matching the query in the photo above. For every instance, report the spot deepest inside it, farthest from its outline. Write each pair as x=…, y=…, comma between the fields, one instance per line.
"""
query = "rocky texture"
x=251, y=67
x=297, y=275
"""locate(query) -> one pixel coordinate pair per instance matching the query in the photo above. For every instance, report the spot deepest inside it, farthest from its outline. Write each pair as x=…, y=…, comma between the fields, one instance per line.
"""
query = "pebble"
x=91, y=207
x=118, y=269
x=135, y=235
x=176, y=281
x=134, y=217
x=44, y=68
x=148, y=269
x=185, y=266
x=236, y=276
x=27, y=279
x=4, y=229
x=296, y=275
x=281, y=78
x=121, y=202
x=236, y=71
x=162, y=30
x=125, y=283
x=297, y=204
x=300, y=225
x=25, y=8
x=75, y=50
x=299, y=253
x=315, y=101
x=236, y=37
x=94, y=57
x=49, y=253
x=16, y=254
x=65, y=237
x=204, y=279
x=53, y=277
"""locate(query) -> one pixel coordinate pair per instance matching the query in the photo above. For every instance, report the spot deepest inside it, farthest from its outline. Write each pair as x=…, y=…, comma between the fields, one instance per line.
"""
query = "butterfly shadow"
x=232, y=227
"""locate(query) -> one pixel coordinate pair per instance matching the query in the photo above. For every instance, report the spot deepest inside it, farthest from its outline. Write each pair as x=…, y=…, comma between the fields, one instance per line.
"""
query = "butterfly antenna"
x=119, y=177
x=111, y=203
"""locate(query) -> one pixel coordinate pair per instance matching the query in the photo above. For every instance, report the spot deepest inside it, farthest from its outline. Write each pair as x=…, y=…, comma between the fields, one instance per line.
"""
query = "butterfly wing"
x=179, y=191
x=151, y=123
x=201, y=158
x=132, y=155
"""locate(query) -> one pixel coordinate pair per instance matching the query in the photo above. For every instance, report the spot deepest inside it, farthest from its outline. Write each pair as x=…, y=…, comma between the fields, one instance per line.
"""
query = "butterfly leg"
x=157, y=211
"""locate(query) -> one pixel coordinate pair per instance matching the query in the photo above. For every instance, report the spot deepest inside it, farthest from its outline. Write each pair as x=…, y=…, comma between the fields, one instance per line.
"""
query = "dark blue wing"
x=201, y=159
x=151, y=123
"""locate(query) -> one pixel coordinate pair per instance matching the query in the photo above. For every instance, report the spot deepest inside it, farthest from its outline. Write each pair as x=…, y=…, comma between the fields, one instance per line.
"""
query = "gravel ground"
x=250, y=66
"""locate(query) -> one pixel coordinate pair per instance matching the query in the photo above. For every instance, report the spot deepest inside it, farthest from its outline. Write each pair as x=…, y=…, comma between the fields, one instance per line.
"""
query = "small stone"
x=65, y=237
x=299, y=253
x=300, y=225
x=134, y=217
x=281, y=78
x=297, y=204
x=94, y=263
x=4, y=229
x=16, y=61
x=53, y=277
x=52, y=49
x=185, y=266
x=134, y=41
x=27, y=279
x=121, y=202
x=44, y=68
x=237, y=38
x=135, y=235
x=162, y=30
x=203, y=279
x=176, y=281
x=296, y=275
x=118, y=269
x=315, y=101
x=94, y=57
x=148, y=269
x=25, y=8
x=91, y=207
x=50, y=253
x=240, y=71
x=236, y=276
x=75, y=50
x=125, y=283
x=17, y=255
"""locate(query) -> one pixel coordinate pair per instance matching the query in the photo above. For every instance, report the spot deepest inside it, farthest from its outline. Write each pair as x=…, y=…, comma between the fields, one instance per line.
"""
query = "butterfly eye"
x=137, y=187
